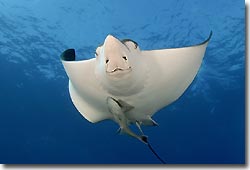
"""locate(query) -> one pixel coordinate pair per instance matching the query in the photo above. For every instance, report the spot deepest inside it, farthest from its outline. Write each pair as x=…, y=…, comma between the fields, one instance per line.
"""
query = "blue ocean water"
x=38, y=122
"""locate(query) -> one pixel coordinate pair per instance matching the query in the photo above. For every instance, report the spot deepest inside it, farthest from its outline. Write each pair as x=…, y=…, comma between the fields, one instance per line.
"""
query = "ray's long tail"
x=145, y=140
x=155, y=153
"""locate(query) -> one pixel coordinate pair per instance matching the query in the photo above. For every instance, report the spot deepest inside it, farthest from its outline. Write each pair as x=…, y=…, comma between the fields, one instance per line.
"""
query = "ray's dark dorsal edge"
x=68, y=55
x=209, y=37
x=126, y=40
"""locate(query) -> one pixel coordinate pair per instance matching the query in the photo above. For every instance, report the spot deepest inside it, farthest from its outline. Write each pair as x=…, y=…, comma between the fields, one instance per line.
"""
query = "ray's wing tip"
x=210, y=35
x=68, y=55
x=208, y=39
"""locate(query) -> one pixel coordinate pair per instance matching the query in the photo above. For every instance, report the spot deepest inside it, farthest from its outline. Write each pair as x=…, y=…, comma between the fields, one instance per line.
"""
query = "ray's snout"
x=115, y=56
x=110, y=38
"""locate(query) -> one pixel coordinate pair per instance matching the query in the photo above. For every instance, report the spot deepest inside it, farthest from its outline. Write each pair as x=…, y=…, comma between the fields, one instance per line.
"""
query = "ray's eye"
x=107, y=61
x=124, y=57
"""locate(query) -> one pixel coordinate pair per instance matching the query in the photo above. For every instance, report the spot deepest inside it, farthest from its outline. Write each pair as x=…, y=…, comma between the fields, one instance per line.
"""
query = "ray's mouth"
x=119, y=70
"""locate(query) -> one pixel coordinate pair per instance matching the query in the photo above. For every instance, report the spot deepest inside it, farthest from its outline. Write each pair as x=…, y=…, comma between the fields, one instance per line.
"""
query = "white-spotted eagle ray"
x=128, y=85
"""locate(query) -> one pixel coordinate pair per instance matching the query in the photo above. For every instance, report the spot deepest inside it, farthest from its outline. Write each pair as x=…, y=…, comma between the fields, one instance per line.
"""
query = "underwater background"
x=39, y=123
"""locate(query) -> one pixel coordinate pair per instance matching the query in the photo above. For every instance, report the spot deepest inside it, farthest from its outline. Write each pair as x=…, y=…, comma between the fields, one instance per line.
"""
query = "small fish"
x=118, y=108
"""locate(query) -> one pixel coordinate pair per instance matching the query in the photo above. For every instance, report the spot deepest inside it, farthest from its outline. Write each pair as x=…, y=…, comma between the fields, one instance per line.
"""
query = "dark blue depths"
x=38, y=122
